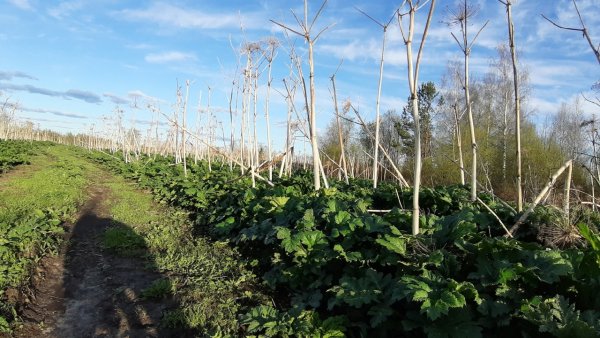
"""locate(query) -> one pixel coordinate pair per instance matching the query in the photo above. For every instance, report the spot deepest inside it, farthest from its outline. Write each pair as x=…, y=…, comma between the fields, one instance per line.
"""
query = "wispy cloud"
x=172, y=56
x=150, y=123
x=169, y=15
x=551, y=73
x=82, y=95
x=53, y=112
x=140, y=46
x=368, y=50
x=65, y=8
x=136, y=95
x=22, y=4
x=116, y=99
x=10, y=75
x=69, y=94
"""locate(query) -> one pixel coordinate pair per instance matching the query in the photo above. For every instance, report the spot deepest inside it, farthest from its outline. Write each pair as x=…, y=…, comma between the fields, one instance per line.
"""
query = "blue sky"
x=69, y=63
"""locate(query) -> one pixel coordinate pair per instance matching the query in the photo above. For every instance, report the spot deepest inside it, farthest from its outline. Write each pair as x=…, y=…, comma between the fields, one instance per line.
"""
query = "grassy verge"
x=14, y=153
x=208, y=279
x=34, y=202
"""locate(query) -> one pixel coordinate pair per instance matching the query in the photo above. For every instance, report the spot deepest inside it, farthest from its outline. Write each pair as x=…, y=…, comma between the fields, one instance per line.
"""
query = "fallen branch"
x=540, y=196
x=496, y=216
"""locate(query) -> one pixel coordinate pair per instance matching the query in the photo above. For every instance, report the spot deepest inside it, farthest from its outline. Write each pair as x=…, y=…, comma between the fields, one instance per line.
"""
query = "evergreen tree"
x=427, y=98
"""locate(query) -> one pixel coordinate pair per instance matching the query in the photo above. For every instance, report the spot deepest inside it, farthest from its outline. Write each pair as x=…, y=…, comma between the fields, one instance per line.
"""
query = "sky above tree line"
x=68, y=64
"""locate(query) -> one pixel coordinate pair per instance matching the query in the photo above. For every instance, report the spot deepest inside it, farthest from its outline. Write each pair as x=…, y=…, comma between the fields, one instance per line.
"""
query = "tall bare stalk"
x=461, y=162
x=413, y=76
x=270, y=56
x=311, y=107
x=384, y=26
x=339, y=127
x=461, y=16
x=511, y=41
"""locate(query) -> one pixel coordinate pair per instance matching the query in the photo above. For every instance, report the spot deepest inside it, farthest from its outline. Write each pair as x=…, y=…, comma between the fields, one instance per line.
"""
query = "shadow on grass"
x=110, y=288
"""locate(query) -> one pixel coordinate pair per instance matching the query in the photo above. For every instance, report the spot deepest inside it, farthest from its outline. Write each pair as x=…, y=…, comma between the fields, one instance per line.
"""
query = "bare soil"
x=86, y=291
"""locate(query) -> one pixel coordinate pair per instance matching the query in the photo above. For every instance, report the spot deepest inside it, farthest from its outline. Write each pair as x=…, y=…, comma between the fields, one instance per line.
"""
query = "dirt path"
x=86, y=291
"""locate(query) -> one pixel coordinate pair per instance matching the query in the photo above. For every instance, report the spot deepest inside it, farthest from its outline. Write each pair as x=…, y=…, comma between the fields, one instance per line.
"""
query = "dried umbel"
x=563, y=233
x=560, y=236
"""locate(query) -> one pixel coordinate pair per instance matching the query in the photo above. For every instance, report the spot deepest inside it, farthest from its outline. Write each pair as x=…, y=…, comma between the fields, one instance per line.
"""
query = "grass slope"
x=207, y=278
x=35, y=200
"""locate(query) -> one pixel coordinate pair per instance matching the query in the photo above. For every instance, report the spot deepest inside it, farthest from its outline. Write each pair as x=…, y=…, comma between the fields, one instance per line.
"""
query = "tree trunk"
x=377, y=105
x=461, y=162
x=511, y=38
x=313, y=119
x=270, y=154
x=339, y=127
x=415, y=111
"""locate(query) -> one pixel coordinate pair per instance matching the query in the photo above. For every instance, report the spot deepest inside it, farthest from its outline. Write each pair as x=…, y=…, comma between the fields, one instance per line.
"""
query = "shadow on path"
x=88, y=291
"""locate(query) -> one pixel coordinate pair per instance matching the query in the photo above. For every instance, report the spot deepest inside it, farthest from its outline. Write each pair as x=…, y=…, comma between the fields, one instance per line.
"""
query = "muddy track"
x=88, y=292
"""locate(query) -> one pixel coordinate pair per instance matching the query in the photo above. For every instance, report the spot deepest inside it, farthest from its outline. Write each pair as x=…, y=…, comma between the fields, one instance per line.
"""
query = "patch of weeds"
x=174, y=319
x=160, y=288
x=169, y=232
x=213, y=288
x=206, y=318
x=131, y=206
x=123, y=241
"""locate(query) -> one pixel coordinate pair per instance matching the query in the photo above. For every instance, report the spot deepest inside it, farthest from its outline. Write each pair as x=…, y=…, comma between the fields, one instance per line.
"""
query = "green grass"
x=123, y=241
x=159, y=289
x=55, y=179
x=129, y=206
x=35, y=200
x=207, y=278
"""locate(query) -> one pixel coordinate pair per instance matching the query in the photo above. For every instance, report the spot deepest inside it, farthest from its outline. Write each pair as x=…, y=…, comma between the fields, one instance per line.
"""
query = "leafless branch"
x=286, y=28
x=418, y=63
x=562, y=27
x=370, y=17
x=479, y=32
x=322, y=31
x=583, y=30
x=317, y=16
x=459, y=44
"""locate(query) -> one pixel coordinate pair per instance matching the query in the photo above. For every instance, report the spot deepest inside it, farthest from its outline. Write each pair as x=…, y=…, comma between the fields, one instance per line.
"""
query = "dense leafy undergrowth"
x=335, y=269
x=32, y=210
x=14, y=153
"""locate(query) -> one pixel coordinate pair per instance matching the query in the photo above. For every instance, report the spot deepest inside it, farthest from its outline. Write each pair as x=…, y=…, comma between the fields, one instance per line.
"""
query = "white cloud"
x=65, y=8
x=116, y=99
x=140, y=46
x=369, y=50
x=136, y=95
x=167, y=57
x=552, y=73
x=22, y=4
x=54, y=112
x=172, y=16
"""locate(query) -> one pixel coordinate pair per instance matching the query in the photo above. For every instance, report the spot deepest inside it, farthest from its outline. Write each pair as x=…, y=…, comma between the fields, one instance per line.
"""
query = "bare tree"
x=413, y=77
x=306, y=29
x=511, y=40
x=270, y=55
x=384, y=26
x=460, y=16
x=339, y=130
